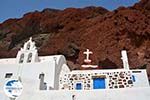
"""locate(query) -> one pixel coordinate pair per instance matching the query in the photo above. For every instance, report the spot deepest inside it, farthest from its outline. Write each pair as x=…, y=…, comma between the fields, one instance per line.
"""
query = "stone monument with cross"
x=87, y=53
x=87, y=60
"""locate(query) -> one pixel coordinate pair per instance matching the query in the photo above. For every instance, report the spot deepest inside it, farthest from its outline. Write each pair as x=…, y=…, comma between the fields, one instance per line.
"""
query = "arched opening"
x=28, y=46
x=29, y=58
x=21, y=58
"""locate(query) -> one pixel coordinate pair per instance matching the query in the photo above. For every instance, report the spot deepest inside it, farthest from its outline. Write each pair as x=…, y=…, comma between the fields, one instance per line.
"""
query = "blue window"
x=133, y=78
x=78, y=86
x=99, y=83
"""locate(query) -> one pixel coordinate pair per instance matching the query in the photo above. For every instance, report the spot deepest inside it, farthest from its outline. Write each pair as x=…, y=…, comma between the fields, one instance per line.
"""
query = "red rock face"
x=72, y=31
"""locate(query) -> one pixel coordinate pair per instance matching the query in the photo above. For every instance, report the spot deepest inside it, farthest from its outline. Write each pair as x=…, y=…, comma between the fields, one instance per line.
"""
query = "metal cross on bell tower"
x=87, y=53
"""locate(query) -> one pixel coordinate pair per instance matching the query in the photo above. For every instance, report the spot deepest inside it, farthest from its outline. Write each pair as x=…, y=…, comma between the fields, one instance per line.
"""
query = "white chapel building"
x=49, y=78
x=42, y=71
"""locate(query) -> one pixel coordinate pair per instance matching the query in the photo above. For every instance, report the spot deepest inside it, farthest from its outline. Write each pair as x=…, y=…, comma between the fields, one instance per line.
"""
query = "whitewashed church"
x=49, y=78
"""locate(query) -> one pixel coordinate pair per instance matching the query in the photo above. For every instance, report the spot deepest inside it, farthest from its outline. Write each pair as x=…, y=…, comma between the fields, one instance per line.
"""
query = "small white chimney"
x=125, y=59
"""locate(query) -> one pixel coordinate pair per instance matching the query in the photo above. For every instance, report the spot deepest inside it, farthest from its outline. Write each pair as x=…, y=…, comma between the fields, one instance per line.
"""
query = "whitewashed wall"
x=114, y=94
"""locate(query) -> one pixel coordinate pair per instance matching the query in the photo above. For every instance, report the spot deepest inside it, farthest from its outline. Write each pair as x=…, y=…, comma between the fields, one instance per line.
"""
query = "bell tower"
x=28, y=54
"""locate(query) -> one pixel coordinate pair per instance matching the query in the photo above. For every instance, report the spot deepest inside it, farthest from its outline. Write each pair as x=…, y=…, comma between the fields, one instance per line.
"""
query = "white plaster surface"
x=104, y=94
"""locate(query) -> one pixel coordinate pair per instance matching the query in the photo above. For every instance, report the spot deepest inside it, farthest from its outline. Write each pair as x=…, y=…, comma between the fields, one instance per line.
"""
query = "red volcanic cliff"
x=73, y=30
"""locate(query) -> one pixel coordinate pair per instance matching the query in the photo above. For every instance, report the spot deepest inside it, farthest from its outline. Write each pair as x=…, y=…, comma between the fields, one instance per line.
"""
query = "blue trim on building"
x=133, y=78
x=78, y=86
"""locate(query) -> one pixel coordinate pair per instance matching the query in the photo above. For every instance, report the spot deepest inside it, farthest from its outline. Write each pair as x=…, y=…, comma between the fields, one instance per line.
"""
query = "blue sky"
x=16, y=8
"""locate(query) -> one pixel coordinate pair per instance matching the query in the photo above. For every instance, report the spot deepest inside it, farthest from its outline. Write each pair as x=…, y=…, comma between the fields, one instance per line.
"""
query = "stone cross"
x=87, y=53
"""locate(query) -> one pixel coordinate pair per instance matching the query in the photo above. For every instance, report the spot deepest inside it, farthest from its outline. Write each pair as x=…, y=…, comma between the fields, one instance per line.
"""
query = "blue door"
x=99, y=83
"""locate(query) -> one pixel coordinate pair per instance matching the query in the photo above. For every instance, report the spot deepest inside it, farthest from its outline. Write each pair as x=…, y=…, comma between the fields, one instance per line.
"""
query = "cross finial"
x=30, y=39
x=87, y=53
